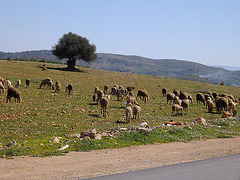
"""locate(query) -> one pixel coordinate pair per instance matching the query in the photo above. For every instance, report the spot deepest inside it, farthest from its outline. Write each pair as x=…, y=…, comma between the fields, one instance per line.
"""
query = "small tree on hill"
x=74, y=47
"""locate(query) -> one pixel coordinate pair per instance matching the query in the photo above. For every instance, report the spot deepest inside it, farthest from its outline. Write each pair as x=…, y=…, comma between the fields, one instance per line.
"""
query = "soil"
x=80, y=165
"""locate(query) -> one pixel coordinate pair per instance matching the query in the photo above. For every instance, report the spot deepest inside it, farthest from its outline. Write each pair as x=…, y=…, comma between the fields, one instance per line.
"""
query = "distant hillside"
x=139, y=65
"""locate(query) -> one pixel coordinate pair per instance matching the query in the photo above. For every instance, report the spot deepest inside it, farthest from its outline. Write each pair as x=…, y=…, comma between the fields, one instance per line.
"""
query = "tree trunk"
x=71, y=64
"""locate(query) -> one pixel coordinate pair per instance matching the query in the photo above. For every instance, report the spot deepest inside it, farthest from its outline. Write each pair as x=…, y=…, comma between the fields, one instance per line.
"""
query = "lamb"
x=104, y=104
x=210, y=105
x=128, y=113
x=28, y=82
x=69, y=88
x=13, y=92
x=136, y=111
x=2, y=87
x=170, y=97
x=100, y=94
x=200, y=98
x=18, y=83
x=105, y=89
x=221, y=104
x=45, y=82
x=143, y=93
x=177, y=108
x=176, y=92
x=57, y=87
x=164, y=92
x=185, y=104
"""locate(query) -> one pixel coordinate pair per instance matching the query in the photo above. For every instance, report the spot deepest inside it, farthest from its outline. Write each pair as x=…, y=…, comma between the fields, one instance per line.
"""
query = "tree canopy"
x=74, y=47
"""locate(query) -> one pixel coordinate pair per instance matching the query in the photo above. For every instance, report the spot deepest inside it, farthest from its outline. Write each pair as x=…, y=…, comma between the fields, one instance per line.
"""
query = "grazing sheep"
x=131, y=100
x=128, y=113
x=28, y=82
x=176, y=100
x=232, y=97
x=210, y=105
x=221, y=104
x=120, y=94
x=164, y=92
x=57, y=87
x=69, y=88
x=190, y=97
x=183, y=95
x=105, y=89
x=13, y=92
x=2, y=87
x=45, y=82
x=136, y=111
x=18, y=83
x=114, y=91
x=214, y=95
x=232, y=106
x=109, y=97
x=170, y=97
x=100, y=94
x=143, y=93
x=2, y=80
x=177, y=108
x=176, y=92
x=50, y=85
x=185, y=104
x=9, y=84
x=130, y=88
x=200, y=98
x=104, y=104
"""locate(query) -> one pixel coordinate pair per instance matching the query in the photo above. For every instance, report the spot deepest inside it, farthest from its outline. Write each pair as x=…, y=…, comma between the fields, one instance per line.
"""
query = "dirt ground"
x=79, y=165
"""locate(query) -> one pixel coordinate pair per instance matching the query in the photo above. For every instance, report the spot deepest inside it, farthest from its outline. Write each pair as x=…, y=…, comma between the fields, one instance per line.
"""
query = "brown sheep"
x=57, y=87
x=104, y=104
x=210, y=105
x=69, y=88
x=183, y=95
x=200, y=98
x=131, y=100
x=185, y=105
x=164, y=92
x=105, y=89
x=114, y=91
x=27, y=82
x=120, y=94
x=100, y=94
x=13, y=92
x=143, y=93
x=221, y=104
x=176, y=92
x=46, y=81
x=170, y=97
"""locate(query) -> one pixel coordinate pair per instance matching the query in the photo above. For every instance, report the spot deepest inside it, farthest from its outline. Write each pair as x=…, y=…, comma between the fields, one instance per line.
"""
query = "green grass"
x=42, y=114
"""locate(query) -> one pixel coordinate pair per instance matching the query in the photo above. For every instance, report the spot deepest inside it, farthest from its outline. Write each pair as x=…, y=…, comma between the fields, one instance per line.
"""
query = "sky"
x=203, y=31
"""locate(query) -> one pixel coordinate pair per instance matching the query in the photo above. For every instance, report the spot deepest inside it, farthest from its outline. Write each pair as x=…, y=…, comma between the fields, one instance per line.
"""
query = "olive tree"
x=74, y=47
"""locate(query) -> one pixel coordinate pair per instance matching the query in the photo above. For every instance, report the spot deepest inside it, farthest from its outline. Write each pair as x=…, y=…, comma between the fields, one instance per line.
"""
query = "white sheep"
x=177, y=108
x=2, y=87
x=57, y=87
x=128, y=113
x=136, y=111
x=18, y=83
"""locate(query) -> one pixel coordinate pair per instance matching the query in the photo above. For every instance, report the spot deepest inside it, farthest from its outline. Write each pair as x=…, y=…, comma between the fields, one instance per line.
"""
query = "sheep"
x=57, y=87
x=18, y=83
x=131, y=93
x=176, y=100
x=214, y=95
x=69, y=88
x=185, y=104
x=177, y=108
x=232, y=105
x=221, y=104
x=131, y=100
x=130, y=88
x=109, y=97
x=120, y=94
x=164, y=92
x=176, y=92
x=2, y=80
x=143, y=93
x=210, y=105
x=13, y=92
x=50, y=85
x=170, y=97
x=114, y=91
x=136, y=111
x=104, y=104
x=96, y=90
x=183, y=95
x=100, y=94
x=9, y=84
x=232, y=97
x=128, y=113
x=105, y=89
x=2, y=87
x=27, y=82
x=200, y=98
x=45, y=82
x=44, y=68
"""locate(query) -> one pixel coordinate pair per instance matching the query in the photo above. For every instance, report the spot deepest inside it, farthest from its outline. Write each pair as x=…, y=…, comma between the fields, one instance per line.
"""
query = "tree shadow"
x=62, y=69
x=94, y=115
x=93, y=103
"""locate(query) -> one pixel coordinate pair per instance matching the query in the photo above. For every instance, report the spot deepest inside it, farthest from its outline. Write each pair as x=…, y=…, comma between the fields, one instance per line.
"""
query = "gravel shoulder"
x=79, y=165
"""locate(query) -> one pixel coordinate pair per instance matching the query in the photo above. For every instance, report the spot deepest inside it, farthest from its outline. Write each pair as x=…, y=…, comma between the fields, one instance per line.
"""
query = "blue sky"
x=204, y=31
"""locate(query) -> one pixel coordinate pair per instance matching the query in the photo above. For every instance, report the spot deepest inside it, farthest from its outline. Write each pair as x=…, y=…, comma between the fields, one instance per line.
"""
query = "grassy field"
x=43, y=114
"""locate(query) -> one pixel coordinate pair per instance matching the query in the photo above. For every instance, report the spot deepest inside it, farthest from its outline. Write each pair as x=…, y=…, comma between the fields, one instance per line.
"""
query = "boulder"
x=90, y=133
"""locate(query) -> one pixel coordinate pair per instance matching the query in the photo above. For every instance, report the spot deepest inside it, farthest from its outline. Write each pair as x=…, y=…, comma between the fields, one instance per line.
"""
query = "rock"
x=226, y=115
x=13, y=143
x=86, y=138
x=56, y=140
x=64, y=147
x=199, y=120
x=123, y=129
x=174, y=123
x=98, y=136
x=144, y=124
x=90, y=133
x=75, y=135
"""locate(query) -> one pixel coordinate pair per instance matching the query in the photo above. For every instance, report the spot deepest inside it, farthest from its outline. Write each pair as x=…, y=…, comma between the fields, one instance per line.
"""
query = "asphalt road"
x=222, y=168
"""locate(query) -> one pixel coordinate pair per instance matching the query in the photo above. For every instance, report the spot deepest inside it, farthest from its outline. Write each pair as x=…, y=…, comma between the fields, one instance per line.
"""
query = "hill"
x=139, y=65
